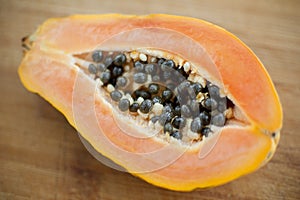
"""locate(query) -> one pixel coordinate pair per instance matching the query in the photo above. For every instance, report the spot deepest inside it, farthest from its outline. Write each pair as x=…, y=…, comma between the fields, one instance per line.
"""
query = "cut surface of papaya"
x=176, y=101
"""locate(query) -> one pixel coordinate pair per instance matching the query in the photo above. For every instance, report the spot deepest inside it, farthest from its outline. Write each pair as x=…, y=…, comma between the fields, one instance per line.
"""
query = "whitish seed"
x=140, y=100
x=129, y=97
x=157, y=108
x=126, y=68
x=153, y=59
x=186, y=66
x=110, y=88
x=134, y=55
x=143, y=57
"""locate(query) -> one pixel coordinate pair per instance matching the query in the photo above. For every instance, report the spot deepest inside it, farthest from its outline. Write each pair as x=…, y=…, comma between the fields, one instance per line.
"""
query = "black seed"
x=185, y=111
x=178, y=78
x=168, y=127
x=168, y=108
x=160, y=61
x=177, y=110
x=140, y=77
x=97, y=56
x=171, y=86
x=167, y=95
x=154, y=119
x=156, y=78
x=165, y=117
x=178, y=122
x=120, y=60
x=204, y=117
x=102, y=67
x=218, y=120
x=213, y=91
x=157, y=99
x=124, y=104
x=121, y=81
x=166, y=75
x=142, y=93
x=138, y=66
x=183, y=87
x=222, y=105
x=205, y=131
x=150, y=68
x=153, y=88
x=108, y=61
x=92, y=69
x=117, y=71
x=214, y=113
x=197, y=87
x=196, y=125
x=210, y=104
x=116, y=95
x=194, y=105
x=134, y=107
x=105, y=76
x=273, y=134
x=167, y=65
x=146, y=106
x=176, y=134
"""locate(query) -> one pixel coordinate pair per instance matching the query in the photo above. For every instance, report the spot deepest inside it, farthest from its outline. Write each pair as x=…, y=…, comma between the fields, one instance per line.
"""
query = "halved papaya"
x=176, y=101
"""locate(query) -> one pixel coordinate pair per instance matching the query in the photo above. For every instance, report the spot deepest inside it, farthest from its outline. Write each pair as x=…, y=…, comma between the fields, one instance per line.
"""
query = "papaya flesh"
x=65, y=63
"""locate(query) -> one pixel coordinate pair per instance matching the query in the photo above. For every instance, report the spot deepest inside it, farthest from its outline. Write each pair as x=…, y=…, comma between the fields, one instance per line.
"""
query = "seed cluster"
x=163, y=92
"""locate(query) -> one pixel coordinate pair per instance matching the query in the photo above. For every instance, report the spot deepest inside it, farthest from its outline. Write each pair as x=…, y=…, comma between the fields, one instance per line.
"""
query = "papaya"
x=176, y=101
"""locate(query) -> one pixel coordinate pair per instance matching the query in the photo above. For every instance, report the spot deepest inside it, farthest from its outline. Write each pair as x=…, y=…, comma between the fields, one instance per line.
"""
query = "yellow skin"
x=239, y=150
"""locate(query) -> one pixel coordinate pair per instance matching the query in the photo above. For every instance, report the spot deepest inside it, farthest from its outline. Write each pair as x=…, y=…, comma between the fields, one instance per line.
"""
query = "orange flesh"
x=238, y=151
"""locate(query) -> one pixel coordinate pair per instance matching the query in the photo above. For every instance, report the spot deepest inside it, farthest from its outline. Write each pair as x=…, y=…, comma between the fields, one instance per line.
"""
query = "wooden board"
x=41, y=156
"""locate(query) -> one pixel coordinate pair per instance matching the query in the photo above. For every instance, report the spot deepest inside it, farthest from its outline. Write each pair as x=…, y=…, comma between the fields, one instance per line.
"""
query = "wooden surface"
x=41, y=156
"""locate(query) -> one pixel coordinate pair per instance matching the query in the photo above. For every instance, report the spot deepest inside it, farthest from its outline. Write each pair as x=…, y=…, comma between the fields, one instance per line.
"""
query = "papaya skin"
x=239, y=150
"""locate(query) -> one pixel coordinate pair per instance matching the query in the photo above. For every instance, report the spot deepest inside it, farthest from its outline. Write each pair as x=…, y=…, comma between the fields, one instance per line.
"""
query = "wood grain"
x=41, y=156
